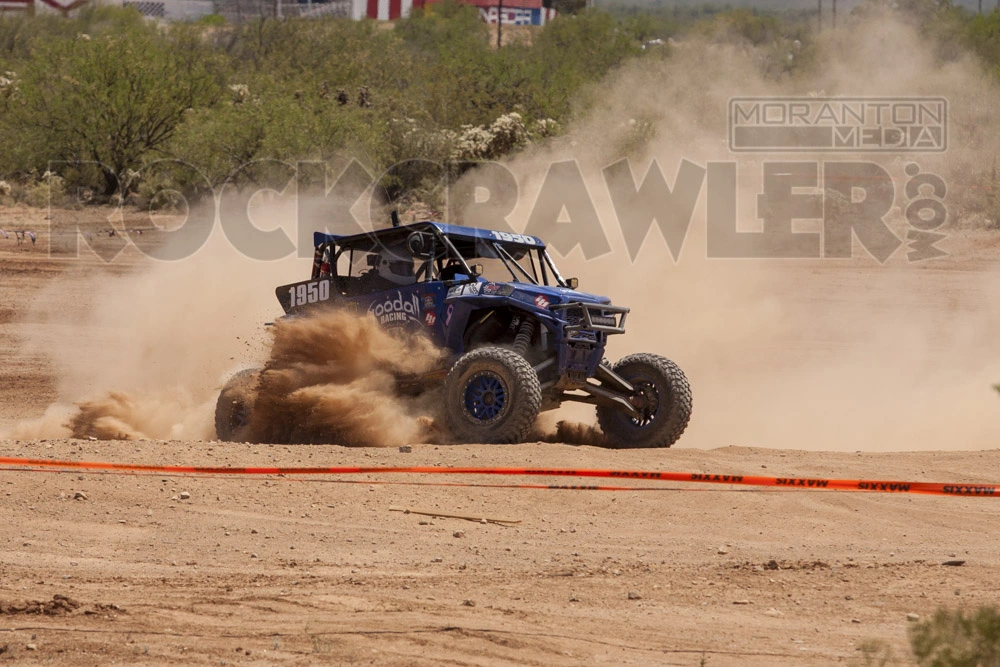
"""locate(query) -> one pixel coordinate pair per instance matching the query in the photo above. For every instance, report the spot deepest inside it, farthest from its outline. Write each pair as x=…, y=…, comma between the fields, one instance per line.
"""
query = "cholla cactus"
x=468, y=143
x=414, y=139
x=52, y=178
x=485, y=143
x=129, y=179
x=8, y=85
x=545, y=127
x=473, y=143
x=241, y=92
x=4, y=189
x=636, y=135
x=508, y=133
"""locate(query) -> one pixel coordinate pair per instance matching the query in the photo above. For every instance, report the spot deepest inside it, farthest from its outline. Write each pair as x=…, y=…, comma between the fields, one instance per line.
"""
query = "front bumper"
x=580, y=319
x=585, y=328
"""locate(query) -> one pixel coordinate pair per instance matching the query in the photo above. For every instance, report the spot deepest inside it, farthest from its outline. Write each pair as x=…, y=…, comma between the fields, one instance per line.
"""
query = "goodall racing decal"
x=396, y=310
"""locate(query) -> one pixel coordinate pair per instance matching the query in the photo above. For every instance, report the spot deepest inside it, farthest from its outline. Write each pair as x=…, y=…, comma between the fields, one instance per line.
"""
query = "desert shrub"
x=214, y=20
x=116, y=98
x=982, y=35
x=35, y=190
x=189, y=107
x=572, y=53
x=875, y=653
x=956, y=638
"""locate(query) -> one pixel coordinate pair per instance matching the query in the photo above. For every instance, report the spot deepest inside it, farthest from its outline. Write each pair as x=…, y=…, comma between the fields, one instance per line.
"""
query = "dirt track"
x=287, y=571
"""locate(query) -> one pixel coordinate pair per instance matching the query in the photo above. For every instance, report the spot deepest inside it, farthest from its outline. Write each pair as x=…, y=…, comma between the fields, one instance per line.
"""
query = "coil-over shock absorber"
x=524, y=333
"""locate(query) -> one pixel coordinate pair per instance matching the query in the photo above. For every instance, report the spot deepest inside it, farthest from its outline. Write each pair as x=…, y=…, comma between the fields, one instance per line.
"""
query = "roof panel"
x=390, y=234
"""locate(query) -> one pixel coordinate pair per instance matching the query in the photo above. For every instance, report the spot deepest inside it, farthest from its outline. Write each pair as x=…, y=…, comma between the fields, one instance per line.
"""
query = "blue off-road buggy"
x=521, y=338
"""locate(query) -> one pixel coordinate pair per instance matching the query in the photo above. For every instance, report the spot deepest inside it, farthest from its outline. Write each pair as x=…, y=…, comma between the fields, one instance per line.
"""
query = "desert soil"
x=163, y=569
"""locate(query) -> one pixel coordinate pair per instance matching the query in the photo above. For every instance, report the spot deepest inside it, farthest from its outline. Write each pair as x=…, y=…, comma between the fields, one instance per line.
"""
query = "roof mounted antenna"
x=395, y=218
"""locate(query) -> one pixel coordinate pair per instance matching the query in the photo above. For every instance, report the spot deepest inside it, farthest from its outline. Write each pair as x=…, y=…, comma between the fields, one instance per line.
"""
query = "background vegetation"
x=958, y=638
x=108, y=104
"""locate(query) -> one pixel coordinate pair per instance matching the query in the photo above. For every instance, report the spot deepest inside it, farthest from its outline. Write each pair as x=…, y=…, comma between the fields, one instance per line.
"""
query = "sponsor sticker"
x=396, y=311
x=469, y=289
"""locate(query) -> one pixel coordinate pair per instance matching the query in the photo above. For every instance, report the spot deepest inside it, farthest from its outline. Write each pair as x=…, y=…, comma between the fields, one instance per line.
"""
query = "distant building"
x=173, y=10
x=510, y=12
x=30, y=7
x=513, y=12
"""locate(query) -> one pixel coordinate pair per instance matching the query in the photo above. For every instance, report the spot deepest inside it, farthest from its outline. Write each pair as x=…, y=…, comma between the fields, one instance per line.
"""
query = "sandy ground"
x=157, y=569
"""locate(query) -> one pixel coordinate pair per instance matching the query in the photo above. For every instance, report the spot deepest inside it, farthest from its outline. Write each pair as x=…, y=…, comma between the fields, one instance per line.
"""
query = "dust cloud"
x=141, y=349
x=331, y=378
x=796, y=353
x=804, y=354
x=122, y=416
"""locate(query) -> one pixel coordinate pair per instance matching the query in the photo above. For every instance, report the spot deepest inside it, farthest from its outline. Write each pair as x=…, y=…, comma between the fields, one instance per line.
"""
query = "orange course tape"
x=881, y=486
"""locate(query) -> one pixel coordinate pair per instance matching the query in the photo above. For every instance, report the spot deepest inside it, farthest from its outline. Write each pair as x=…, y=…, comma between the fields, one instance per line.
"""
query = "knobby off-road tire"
x=668, y=404
x=492, y=395
x=235, y=404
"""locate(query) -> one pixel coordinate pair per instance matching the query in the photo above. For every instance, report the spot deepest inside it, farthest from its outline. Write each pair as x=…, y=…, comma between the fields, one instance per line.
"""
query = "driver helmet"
x=397, y=270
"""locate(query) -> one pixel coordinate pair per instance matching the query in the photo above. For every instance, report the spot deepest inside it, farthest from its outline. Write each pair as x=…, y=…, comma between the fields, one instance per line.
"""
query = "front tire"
x=492, y=395
x=235, y=405
x=662, y=395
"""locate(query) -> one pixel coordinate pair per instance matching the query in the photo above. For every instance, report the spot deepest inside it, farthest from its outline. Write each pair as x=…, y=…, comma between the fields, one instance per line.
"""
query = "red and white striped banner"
x=389, y=10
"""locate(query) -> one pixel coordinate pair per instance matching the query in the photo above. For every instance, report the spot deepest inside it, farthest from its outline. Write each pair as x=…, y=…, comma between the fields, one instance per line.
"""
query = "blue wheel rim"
x=485, y=396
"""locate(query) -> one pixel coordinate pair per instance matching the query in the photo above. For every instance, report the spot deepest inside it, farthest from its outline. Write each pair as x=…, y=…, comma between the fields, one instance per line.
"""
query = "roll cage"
x=437, y=254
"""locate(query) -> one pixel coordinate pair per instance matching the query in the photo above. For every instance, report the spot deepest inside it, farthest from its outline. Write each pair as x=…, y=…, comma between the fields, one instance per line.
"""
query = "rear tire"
x=235, y=405
x=492, y=395
x=666, y=398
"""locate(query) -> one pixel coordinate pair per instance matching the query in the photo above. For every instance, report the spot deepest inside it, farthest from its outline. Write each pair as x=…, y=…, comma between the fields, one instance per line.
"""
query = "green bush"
x=958, y=639
x=212, y=20
x=189, y=107
x=875, y=653
x=48, y=189
x=113, y=100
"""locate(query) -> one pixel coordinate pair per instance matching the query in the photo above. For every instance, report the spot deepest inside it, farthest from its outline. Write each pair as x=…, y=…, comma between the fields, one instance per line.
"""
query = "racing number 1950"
x=300, y=295
x=515, y=238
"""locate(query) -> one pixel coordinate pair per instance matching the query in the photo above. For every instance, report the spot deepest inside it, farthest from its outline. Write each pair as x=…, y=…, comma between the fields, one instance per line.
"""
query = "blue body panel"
x=444, y=310
x=416, y=308
x=465, y=299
